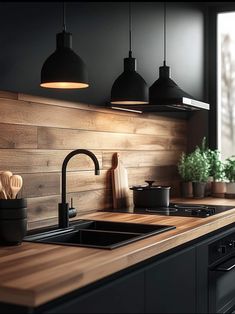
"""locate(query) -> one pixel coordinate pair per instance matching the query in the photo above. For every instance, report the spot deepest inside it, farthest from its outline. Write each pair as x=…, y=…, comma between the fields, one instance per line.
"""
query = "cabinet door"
x=170, y=284
x=123, y=295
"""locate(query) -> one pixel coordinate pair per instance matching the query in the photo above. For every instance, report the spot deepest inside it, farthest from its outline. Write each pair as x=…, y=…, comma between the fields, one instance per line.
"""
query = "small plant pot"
x=208, y=188
x=230, y=190
x=218, y=189
x=199, y=189
x=186, y=189
x=13, y=221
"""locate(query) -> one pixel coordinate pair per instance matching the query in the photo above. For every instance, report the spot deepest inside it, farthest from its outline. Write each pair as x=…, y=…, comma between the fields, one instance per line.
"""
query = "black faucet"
x=63, y=208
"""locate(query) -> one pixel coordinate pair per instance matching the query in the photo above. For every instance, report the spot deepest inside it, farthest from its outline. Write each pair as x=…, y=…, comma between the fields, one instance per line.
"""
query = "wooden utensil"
x=119, y=183
x=5, y=178
x=16, y=183
x=2, y=191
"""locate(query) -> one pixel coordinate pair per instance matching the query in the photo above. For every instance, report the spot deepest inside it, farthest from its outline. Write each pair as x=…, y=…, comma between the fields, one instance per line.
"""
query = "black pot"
x=151, y=196
x=13, y=221
x=199, y=189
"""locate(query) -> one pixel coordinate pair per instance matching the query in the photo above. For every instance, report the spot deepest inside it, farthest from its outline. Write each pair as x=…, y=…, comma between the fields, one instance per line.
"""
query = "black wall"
x=100, y=38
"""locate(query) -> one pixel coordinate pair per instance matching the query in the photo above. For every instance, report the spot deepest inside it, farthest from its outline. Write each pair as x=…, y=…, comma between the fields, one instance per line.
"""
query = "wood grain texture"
x=32, y=273
x=32, y=113
x=85, y=106
x=37, y=133
x=33, y=161
x=143, y=158
x=55, y=138
x=17, y=136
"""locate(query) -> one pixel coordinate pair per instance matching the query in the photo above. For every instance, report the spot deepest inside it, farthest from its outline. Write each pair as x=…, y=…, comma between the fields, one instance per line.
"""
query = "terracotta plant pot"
x=218, y=189
x=199, y=189
x=186, y=189
x=230, y=190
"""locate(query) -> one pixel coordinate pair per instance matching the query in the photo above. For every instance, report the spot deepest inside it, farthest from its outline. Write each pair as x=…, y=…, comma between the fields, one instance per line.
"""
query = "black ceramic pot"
x=151, y=196
x=199, y=189
x=13, y=221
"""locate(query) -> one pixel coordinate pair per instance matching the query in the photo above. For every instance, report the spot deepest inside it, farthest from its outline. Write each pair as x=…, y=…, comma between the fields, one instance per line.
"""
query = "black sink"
x=99, y=234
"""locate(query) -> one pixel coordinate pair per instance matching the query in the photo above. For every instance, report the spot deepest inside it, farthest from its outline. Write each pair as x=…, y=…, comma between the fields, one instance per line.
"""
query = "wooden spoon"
x=2, y=191
x=16, y=183
x=5, y=178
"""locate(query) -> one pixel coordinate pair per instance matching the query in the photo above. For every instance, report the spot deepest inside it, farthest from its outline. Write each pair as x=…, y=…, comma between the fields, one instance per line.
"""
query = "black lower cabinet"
x=122, y=295
x=170, y=284
x=159, y=285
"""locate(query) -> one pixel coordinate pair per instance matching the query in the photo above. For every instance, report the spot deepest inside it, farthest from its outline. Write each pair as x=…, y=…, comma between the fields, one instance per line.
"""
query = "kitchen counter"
x=32, y=274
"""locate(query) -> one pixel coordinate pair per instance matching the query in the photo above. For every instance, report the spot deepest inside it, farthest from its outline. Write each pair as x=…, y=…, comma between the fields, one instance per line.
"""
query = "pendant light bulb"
x=129, y=88
x=64, y=69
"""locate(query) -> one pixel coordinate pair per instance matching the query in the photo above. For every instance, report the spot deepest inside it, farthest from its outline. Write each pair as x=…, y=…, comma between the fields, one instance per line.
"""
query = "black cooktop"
x=177, y=209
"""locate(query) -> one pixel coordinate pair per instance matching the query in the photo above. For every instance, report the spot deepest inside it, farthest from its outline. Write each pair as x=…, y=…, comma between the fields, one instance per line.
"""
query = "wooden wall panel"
x=17, y=136
x=37, y=133
x=32, y=161
x=143, y=158
x=54, y=138
x=33, y=113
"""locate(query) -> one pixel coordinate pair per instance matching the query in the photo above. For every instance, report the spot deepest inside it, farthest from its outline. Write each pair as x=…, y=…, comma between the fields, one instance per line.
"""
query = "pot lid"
x=150, y=186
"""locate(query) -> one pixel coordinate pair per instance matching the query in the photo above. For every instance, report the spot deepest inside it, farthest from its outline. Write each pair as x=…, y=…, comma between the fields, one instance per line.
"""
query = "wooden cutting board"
x=119, y=183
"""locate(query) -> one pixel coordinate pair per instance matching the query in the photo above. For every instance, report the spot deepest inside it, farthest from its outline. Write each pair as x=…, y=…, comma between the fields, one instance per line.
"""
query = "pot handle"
x=150, y=183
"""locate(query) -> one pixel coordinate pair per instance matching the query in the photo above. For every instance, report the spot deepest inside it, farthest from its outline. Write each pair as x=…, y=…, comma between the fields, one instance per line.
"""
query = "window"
x=226, y=83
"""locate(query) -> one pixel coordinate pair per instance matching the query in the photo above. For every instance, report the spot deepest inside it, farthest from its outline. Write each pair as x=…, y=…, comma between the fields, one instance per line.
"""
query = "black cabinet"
x=162, y=285
x=122, y=295
x=170, y=284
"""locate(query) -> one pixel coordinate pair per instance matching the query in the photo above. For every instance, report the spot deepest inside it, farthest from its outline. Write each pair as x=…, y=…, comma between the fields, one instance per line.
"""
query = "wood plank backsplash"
x=37, y=133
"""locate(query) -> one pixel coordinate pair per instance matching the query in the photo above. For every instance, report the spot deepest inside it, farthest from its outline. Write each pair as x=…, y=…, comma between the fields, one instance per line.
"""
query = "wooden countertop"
x=33, y=273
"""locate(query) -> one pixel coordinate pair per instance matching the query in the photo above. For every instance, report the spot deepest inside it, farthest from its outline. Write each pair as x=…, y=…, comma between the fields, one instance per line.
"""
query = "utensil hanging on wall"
x=119, y=183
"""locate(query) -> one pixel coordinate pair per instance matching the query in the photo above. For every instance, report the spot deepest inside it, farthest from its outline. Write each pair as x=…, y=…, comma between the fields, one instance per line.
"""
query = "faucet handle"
x=72, y=210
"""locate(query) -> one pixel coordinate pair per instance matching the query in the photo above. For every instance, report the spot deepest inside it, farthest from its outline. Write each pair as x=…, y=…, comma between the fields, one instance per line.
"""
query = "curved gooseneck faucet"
x=63, y=208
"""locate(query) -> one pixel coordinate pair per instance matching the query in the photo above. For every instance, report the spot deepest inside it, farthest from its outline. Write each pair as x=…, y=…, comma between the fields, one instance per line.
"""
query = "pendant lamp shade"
x=129, y=88
x=64, y=68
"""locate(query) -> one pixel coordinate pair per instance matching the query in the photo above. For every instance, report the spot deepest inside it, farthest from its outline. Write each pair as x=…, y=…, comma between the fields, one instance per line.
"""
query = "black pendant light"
x=64, y=69
x=129, y=88
x=165, y=94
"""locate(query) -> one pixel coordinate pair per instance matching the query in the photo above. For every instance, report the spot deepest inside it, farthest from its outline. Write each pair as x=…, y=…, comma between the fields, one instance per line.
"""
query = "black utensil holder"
x=13, y=221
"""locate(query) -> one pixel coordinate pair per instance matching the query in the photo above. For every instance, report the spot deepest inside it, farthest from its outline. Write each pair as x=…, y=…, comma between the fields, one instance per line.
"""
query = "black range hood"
x=165, y=92
x=166, y=96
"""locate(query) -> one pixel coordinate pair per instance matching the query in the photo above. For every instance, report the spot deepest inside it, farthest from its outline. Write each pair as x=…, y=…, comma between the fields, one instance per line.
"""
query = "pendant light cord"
x=130, y=22
x=64, y=20
x=164, y=33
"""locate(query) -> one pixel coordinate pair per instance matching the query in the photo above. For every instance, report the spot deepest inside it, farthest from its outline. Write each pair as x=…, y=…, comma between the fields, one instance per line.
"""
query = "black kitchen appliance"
x=221, y=275
x=177, y=209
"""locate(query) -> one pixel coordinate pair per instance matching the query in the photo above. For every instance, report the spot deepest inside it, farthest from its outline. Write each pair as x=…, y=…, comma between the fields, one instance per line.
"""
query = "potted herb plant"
x=184, y=169
x=229, y=170
x=200, y=168
x=218, y=174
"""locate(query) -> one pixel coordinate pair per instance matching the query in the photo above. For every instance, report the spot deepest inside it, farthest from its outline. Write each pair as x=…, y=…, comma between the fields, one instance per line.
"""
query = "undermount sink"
x=99, y=234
